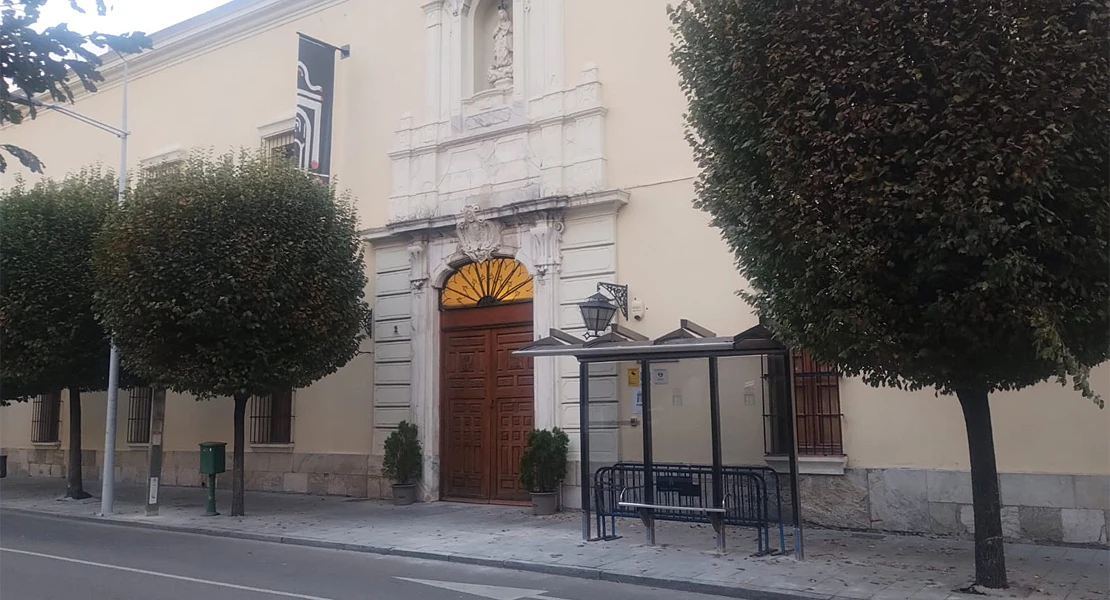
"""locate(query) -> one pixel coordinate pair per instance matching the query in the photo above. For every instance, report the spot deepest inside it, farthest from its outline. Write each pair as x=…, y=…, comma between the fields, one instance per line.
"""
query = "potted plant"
x=403, y=462
x=543, y=466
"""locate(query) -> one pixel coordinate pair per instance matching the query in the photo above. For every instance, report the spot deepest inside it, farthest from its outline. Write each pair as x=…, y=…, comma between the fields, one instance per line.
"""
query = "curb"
x=516, y=565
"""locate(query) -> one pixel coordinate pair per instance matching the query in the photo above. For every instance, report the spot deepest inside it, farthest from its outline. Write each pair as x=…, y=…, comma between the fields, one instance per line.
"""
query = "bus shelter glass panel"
x=680, y=415
x=741, y=392
x=604, y=414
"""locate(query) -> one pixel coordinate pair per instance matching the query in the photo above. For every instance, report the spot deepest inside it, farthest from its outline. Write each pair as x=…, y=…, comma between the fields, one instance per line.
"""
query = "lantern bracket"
x=618, y=292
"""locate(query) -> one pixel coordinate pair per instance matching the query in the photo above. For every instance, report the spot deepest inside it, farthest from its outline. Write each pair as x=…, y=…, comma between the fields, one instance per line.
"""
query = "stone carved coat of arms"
x=478, y=238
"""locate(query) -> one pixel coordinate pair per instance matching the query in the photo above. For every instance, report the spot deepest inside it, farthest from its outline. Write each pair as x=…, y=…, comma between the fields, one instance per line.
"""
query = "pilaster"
x=552, y=23
x=543, y=241
x=425, y=409
x=521, y=13
x=454, y=54
x=433, y=36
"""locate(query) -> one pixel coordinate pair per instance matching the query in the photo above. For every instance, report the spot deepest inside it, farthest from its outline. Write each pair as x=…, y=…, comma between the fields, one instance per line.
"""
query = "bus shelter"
x=689, y=341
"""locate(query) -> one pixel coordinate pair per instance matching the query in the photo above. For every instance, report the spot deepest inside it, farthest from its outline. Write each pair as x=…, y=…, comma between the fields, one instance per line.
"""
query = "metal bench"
x=677, y=508
x=684, y=493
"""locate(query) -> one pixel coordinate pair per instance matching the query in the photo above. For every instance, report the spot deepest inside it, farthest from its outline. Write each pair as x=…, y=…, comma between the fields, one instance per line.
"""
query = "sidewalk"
x=838, y=565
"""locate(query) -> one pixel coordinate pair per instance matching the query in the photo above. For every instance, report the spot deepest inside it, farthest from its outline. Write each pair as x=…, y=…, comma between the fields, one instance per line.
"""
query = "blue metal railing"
x=747, y=502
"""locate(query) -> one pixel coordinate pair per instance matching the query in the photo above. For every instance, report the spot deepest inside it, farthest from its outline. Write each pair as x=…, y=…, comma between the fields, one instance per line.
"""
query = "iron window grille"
x=46, y=416
x=271, y=418
x=281, y=146
x=138, y=415
x=817, y=405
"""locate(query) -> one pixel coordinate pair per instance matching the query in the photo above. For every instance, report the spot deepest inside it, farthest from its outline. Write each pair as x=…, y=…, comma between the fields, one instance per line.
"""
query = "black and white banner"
x=315, y=99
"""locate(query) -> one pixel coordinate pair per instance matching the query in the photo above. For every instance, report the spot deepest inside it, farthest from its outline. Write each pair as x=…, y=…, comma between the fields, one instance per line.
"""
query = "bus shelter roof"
x=690, y=340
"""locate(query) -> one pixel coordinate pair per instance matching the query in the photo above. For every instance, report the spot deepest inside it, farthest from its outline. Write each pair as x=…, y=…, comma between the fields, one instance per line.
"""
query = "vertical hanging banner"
x=315, y=100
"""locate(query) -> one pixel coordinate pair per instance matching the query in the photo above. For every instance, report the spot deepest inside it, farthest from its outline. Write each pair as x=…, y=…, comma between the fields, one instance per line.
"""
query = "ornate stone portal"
x=530, y=152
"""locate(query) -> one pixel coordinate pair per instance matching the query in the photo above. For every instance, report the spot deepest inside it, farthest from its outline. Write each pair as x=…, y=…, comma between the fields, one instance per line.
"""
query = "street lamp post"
x=108, y=477
x=107, y=490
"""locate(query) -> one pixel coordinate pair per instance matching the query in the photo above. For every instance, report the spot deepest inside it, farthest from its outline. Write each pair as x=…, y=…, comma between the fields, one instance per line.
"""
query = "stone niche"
x=500, y=126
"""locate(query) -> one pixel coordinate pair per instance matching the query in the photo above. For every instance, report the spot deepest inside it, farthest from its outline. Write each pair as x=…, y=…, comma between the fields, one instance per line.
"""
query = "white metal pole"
x=107, y=485
x=108, y=479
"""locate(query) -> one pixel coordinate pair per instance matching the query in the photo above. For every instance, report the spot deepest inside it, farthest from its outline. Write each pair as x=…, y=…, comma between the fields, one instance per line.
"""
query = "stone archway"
x=486, y=393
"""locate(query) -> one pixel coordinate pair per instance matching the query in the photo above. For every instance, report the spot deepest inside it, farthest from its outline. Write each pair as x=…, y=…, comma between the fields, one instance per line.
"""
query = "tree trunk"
x=237, y=475
x=74, y=487
x=990, y=559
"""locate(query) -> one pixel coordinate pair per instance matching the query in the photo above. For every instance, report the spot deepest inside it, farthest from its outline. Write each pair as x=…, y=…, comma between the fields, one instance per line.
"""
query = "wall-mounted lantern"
x=598, y=310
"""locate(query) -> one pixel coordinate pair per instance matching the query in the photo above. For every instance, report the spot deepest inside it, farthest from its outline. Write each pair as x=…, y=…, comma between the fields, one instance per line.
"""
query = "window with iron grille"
x=138, y=415
x=817, y=407
x=46, y=415
x=280, y=146
x=271, y=418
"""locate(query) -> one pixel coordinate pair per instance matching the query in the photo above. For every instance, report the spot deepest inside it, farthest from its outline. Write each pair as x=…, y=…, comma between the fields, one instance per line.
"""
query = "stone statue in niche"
x=501, y=71
x=478, y=238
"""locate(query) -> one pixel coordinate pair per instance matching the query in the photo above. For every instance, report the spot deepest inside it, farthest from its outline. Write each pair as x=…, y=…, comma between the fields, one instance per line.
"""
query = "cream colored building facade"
x=573, y=169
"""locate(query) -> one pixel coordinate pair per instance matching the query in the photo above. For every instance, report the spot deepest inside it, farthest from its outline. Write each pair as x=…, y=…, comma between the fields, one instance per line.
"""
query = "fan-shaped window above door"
x=487, y=283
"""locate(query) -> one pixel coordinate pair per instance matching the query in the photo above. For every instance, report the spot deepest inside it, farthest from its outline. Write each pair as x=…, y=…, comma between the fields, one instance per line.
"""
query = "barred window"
x=280, y=146
x=271, y=418
x=816, y=402
x=46, y=415
x=138, y=415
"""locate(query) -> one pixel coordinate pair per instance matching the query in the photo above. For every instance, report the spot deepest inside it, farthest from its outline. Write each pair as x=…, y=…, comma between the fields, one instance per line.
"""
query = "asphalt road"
x=43, y=558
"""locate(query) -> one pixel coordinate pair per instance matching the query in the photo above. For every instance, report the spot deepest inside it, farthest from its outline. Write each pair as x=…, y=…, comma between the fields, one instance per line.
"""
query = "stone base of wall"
x=1036, y=507
x=48, y=461
x=1072, y=509
x=353, y=475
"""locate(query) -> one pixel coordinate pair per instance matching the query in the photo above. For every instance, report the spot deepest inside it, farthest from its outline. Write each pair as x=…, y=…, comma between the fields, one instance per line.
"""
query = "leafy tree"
x=916, y=191
x=36, y=62
x=233, y=278
x=49, y=336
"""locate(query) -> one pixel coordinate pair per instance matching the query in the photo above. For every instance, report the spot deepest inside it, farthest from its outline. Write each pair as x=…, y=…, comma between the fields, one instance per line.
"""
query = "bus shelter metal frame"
x=688, y=341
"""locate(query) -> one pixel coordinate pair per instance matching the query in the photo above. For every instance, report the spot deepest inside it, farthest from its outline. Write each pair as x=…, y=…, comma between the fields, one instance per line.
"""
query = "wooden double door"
x=487, y=405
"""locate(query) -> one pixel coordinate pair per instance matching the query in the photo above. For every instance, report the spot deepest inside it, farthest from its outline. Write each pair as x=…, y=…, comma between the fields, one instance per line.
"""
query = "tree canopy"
x=232, y=276
x=51, y=338
x=36, y=62
x=917, y=191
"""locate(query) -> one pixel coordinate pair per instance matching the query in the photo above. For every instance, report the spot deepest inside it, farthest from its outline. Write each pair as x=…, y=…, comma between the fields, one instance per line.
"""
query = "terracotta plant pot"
x=545, y=503
x=404, y=494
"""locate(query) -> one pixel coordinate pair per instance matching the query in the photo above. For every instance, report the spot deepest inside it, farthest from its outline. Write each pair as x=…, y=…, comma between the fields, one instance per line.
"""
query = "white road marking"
x=494, y=592
x=245, y=588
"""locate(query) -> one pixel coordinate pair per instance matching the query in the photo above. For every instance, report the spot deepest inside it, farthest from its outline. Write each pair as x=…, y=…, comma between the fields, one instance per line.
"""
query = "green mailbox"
x=212, y=462
x=212, y=458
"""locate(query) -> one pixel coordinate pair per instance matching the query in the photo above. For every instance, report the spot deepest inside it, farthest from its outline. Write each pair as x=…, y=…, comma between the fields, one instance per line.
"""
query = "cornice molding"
x=524, y=212
x=205, y=33
x=169, y=155
x=278, y=127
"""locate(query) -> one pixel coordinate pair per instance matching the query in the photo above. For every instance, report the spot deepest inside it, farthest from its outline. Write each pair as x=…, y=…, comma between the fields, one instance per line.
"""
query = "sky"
x=124, y=15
